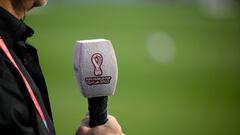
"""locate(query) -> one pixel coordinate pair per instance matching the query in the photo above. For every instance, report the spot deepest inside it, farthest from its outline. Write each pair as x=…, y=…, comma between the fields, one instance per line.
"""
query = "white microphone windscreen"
x=95, y=67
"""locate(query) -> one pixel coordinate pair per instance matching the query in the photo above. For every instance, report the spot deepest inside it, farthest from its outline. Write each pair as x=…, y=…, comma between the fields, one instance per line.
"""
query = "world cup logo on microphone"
x=97, y=60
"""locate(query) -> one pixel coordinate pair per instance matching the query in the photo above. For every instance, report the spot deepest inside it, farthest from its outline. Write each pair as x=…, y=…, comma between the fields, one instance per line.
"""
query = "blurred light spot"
x=218, y=9
x=161, y=47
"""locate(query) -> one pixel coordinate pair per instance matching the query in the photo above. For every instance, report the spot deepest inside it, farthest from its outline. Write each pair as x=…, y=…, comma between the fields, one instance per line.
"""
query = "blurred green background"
x=179, y=63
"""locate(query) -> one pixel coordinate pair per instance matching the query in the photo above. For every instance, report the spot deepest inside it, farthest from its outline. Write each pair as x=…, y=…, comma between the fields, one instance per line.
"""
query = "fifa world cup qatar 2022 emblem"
x=97, y=62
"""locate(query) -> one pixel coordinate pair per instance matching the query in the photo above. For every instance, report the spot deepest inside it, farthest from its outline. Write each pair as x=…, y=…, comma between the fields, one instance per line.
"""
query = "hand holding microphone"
x=96, y=73
x=110, y=128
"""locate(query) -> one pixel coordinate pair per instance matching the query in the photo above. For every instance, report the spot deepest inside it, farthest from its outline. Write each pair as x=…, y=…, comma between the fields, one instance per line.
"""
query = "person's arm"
x=112, y=127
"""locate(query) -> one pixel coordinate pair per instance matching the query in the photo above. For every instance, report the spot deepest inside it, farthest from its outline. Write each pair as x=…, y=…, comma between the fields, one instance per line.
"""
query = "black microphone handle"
x=97, y=107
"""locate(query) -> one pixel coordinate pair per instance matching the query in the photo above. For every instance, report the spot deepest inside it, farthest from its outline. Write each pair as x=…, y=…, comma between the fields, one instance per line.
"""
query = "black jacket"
x=18, y=115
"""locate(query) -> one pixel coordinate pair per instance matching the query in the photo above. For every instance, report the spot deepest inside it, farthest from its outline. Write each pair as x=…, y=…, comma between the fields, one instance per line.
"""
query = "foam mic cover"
x=96, y=72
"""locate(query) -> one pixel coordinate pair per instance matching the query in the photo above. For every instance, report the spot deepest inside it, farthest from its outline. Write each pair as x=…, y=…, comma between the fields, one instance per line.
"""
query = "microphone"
x=96, y=73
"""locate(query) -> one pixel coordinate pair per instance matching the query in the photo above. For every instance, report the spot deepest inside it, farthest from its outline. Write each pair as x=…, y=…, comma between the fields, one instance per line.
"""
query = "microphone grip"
x=97, y=107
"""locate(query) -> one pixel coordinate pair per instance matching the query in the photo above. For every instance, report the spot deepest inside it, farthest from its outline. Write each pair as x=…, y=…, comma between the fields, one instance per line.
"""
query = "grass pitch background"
x=196, y=93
